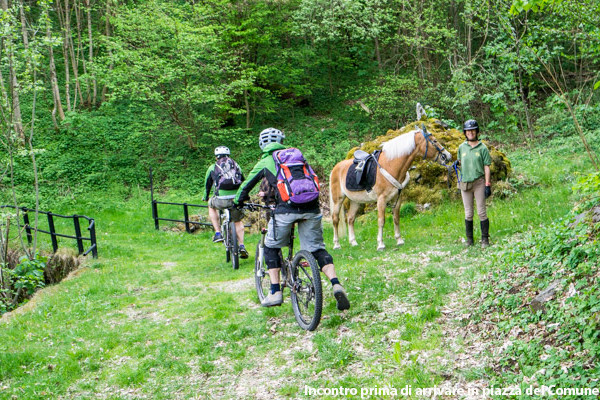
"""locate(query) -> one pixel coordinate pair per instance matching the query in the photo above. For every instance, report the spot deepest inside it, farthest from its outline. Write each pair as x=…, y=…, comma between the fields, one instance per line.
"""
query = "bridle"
x=427, y=137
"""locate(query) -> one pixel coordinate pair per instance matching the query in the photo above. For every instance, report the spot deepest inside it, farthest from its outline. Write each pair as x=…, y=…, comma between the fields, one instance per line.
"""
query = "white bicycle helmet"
x=222, y=151
x=270, y=135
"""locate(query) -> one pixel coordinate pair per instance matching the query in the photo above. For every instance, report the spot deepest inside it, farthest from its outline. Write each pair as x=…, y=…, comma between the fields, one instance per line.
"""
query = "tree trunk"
x=62, y=18
x=91, y=49
x=580, y=132
x=247, y=108
x=5, y=106
x=71, y=49
x=58, y=109
x=75, y=58
x=13, y=83
x=111, y=66
x=24, y=28
x=377, y=52
x=525, y=102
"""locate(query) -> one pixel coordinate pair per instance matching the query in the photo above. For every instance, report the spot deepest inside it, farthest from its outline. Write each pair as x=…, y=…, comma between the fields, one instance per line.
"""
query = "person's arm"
x=257, y=173
x=487, y=161
x=208, y=183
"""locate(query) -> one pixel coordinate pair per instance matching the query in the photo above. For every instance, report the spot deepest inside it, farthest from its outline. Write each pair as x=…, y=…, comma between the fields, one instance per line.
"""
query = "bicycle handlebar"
x=254, y=206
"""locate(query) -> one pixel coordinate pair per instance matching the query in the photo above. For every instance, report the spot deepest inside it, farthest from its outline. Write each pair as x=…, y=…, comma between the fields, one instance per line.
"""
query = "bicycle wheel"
x=225, y=233
x=307, y=294
x=234, y=249
x=261, y=274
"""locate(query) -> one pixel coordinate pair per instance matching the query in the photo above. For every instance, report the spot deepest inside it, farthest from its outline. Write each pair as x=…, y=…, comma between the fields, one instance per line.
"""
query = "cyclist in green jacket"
x=307, y=216
x=225, y=176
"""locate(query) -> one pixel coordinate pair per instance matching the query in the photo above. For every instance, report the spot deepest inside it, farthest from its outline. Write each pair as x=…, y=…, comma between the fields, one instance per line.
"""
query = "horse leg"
x=396, y=213
x=381, y=203
x=351, y=217
x=336, y=207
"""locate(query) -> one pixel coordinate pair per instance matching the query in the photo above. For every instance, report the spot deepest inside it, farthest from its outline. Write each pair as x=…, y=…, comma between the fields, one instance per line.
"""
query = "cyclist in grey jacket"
x=307, y=216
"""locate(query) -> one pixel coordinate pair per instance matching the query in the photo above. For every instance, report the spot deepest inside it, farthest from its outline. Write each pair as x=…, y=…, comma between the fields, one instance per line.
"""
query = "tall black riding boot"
x=469, y=232
x=485, y=233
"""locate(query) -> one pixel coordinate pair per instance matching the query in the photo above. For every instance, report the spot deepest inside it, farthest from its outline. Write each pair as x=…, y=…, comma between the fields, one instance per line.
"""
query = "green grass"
x=161, y=314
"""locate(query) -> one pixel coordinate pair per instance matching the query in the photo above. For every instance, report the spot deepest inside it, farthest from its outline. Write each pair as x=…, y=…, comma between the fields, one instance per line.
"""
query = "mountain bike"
x=230, y=239
x=300, y=273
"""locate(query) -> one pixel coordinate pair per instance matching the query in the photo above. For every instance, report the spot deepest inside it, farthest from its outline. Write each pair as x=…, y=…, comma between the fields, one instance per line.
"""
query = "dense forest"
x=95, y=92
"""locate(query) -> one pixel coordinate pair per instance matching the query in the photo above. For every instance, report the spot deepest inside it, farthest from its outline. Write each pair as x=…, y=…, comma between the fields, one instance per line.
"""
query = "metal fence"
x=55, y=235
x=186, y=213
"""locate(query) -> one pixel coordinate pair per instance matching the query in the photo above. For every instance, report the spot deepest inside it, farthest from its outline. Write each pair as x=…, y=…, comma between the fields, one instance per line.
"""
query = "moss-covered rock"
x=428, y=178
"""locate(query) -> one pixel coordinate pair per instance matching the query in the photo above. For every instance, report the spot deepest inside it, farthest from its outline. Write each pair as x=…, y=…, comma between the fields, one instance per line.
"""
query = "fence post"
x=155, y=214
x=92, y=229
x=52, y=232
x=27, y=227
x=78, y=234
x=186, y=217
x=154, y=205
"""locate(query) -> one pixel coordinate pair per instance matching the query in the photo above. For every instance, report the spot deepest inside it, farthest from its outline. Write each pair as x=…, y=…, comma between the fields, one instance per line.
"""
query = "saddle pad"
x=355, y=181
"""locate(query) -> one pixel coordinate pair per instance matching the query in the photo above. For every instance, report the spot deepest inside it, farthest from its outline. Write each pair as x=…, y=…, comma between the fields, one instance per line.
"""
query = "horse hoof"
x=381, y=248
x=353, y=244
x=336, y=246
x=400, y=242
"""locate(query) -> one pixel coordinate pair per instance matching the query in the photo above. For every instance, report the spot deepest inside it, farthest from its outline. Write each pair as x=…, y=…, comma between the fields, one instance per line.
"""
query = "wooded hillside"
x=101, y=90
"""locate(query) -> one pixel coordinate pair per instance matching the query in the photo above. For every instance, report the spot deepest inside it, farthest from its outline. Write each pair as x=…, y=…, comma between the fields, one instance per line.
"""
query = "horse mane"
x=399, y=146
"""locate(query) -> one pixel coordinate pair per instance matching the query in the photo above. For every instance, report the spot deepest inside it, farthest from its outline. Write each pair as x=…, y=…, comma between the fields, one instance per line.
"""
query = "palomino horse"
x=396, y=157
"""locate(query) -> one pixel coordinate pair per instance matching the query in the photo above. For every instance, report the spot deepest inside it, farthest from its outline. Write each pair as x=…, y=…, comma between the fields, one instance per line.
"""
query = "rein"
x=426, y=136
x=456, y=169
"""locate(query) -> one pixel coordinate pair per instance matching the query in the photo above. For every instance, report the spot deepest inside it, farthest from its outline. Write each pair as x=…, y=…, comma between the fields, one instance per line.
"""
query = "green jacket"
x=266, y=168
x=472, y=161
x=210, y=182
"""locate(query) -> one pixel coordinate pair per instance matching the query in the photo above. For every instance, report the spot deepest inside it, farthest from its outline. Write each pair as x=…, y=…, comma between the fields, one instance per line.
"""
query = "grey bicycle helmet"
x=270, y=135
x=222, y=151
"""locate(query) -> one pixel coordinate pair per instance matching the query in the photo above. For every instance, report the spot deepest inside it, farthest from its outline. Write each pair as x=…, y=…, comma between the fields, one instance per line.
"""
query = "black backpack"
x=229, y=173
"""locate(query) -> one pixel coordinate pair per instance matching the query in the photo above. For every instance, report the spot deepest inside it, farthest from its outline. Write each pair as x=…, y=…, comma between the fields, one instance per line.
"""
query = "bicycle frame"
x=229, y=237
x=287, y=279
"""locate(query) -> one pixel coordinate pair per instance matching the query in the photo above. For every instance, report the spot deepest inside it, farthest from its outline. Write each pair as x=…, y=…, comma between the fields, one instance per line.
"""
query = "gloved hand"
x=239, y=205
x=488, y=191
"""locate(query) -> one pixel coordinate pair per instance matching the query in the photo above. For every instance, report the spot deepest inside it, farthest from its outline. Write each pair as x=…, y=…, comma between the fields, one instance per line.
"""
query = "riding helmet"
x=471, y=125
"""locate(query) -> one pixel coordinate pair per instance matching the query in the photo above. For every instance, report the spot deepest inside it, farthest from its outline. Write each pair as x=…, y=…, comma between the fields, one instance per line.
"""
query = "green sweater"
x=472, y=161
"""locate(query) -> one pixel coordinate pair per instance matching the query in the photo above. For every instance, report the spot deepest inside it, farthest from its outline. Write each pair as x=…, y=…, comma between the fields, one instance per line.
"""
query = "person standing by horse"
x=297, y=201
x=226, y=176
x=475, y=160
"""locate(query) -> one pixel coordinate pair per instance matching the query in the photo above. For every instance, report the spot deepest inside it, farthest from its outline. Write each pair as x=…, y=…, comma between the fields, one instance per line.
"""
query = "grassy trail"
x=161, y=315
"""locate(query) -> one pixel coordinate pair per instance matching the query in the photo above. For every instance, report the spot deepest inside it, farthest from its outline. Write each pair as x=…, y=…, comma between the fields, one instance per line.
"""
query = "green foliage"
x=408, y=209
x=28, y=275
x=21, y=282
x=519, y=6
x=588, y=188
x=176, y=79
x=565, y=332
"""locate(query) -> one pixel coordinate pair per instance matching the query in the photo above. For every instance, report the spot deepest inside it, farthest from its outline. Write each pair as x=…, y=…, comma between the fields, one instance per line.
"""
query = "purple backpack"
x=296, y=181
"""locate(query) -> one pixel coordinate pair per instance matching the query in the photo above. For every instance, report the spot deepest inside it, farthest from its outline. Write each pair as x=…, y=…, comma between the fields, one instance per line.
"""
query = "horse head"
x=430, y=148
